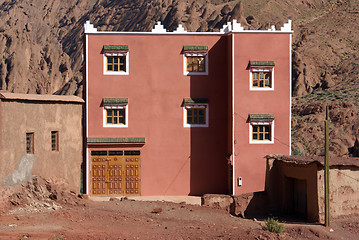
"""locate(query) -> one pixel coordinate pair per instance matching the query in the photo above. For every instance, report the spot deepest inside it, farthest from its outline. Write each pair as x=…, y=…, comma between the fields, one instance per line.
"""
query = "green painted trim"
x=195, y=48
x=116, y=140
x=261, y=116
x=115, y=47
x=114, y=100
x=261, y=63
x=195, y=100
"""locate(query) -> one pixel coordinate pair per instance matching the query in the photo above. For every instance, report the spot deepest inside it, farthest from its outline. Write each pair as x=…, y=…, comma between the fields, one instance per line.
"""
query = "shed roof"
x=305, y=160
x=40, y=97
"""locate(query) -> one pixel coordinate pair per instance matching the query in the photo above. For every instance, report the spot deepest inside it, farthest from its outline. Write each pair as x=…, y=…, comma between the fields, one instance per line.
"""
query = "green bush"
x=272, y=225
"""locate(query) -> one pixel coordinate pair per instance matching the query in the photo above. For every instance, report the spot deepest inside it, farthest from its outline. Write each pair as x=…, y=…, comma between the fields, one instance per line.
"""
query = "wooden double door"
x=115, y=173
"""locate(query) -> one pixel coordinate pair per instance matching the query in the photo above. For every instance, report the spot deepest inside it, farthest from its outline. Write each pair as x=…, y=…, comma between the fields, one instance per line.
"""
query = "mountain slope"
x=31, y=56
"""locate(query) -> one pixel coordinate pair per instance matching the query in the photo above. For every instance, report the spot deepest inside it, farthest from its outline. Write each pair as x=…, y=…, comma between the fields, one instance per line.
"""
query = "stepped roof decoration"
x=230, y=27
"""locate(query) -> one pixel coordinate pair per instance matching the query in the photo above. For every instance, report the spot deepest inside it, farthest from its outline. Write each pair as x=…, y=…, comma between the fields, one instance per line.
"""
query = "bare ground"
x=58, y=214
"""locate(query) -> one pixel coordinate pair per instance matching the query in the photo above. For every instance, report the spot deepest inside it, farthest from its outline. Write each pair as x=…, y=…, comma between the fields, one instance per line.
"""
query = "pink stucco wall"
x=192, y=161
x=250, y=163
x=174, y=160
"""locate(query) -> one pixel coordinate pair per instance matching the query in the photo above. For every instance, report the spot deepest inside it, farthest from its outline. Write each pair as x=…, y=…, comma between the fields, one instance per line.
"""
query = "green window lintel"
x=114, y=100
x=116, y=140
x=195, y=100
x=261, y=63
x=261, y=116
x=115, y=47
x=195, y=48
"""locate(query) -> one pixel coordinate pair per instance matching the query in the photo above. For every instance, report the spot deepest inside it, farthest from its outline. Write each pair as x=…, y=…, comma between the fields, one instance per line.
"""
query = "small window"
x=261, y=79
x=116, y=63
x=115, y=115
x=261, y=128
x=29, y=142
x=195, y=60
x=98, y=153
x=261, y=75
x=196, y=64
x=116, y=59
x=55, y=141
x=261, y=132
x=195, y=114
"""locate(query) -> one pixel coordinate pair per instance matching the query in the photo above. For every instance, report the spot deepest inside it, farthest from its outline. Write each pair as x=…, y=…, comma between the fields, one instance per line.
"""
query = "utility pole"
x=326, y=169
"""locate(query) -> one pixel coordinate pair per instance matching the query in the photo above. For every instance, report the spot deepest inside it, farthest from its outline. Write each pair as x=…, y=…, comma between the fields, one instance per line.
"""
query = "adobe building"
x=185, y=113
x=295, y=185
x=40, y=135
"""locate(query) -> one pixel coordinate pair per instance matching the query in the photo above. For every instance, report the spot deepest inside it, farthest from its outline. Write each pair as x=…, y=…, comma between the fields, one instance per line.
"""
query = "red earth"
x=41, y=210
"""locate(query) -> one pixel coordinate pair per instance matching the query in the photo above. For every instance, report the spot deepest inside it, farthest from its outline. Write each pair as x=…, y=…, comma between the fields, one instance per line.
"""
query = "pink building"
x=185, y=113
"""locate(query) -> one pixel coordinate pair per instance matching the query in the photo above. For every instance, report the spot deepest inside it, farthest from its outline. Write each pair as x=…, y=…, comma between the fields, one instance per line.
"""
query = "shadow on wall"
x=208, y=160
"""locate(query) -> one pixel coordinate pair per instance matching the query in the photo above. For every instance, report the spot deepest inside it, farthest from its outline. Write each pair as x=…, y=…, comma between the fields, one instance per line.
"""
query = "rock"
x=226, y=9
x=250, y=204
x=217, y=201
x=114, y=199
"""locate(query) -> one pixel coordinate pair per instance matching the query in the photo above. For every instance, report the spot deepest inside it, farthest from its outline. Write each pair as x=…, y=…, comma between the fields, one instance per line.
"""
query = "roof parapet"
x=229, y=27
x=234, y=27
x=89, y=28
x=180, y=29
x=159, y=28
x=287, y=26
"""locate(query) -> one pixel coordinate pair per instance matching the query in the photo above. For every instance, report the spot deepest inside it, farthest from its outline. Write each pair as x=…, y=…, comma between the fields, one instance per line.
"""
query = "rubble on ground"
x=38, y=195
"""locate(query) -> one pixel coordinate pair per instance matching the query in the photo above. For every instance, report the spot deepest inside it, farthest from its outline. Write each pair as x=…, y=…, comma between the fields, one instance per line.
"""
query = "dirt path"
x=152, y=220
x=43, y=209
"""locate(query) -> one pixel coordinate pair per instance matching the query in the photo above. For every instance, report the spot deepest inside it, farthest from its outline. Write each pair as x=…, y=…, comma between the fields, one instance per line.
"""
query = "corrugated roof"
x=117, y=140
x=114, y=100
x=305, y=160
x=115, y=47
x=261, y=116
x=261, y=63
x=40, y=97
x=195, y=100
x=195, y=48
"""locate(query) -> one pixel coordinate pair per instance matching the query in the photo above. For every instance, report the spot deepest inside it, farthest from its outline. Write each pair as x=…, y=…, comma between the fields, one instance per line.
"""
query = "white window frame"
x=258, y=123
x=261, y=69
x=190, y=54
x=114, y=54
x=195, y=105
x=115, y=106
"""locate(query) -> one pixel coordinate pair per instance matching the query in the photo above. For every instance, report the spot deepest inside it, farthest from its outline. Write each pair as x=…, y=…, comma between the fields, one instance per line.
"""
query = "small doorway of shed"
x=295, y=200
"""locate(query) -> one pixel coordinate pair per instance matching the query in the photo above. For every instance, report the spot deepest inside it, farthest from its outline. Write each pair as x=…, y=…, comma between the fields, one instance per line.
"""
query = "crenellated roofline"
x=230, y=27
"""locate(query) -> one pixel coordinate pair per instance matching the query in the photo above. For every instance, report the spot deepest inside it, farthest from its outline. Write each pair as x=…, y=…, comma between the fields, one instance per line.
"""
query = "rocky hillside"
x=41, y=48
x=31, y=55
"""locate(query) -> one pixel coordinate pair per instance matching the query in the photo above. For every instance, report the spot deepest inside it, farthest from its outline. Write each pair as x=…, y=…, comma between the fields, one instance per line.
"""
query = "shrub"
x=272, y=225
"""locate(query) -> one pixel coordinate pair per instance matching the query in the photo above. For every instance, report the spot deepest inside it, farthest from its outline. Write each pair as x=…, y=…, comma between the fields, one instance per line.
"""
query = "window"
x=55, y=141
x=261, y=75
x=195, y=113
x=195, y=60
x=29, y=142
x=115, y=116
x=261, y=128
x=261, y=79
x=115, y=112
x=196, y=64
x=261, y=132
x=116, y=59
x=116, y=63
